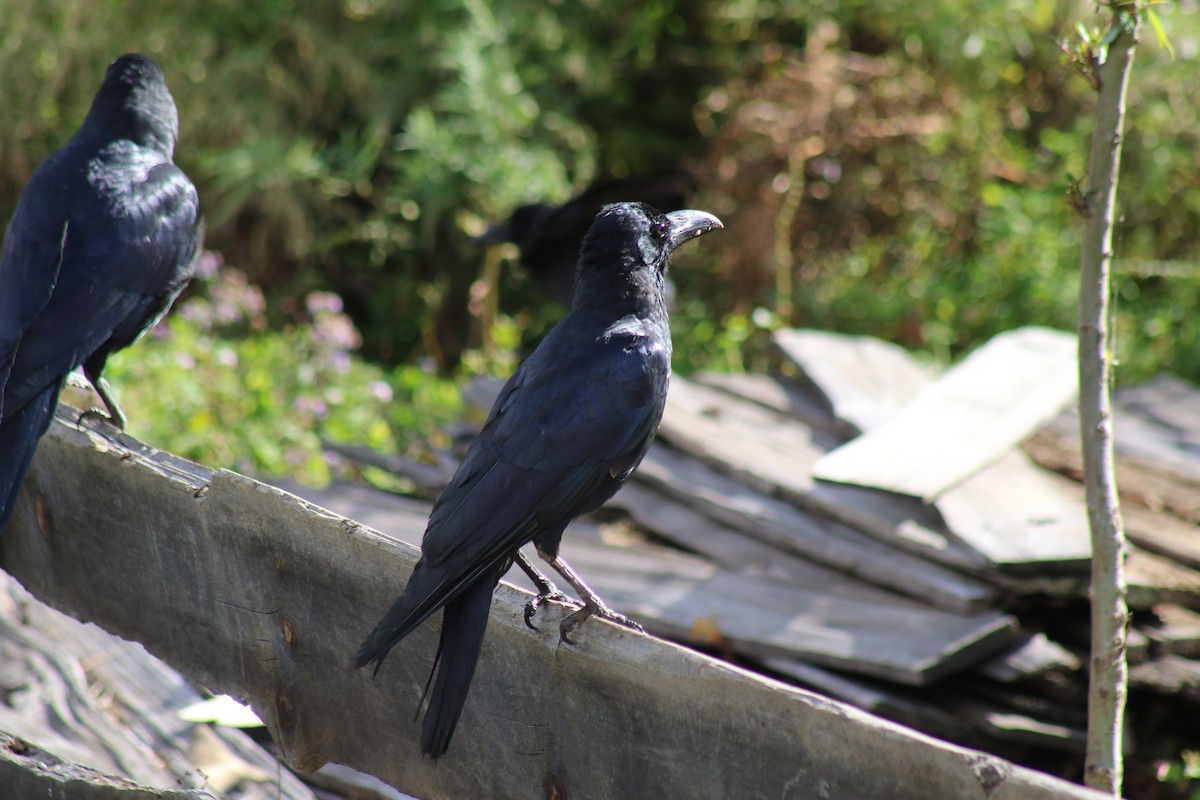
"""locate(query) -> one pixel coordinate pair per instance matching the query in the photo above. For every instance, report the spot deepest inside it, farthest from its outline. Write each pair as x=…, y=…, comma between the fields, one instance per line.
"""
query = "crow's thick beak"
x=689, y=224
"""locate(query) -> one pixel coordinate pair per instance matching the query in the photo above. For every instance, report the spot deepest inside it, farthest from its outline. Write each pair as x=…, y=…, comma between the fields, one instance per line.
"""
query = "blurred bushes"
x=353, y=146
x=216, y=384
x=881, y=167
x=903, y=174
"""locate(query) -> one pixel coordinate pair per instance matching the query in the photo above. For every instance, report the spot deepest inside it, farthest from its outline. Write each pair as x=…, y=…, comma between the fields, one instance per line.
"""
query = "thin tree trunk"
x=1109, y=672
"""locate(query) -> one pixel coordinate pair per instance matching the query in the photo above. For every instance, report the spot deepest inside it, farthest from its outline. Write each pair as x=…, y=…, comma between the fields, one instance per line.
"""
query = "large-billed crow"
x=566, y=432
x=102, y=241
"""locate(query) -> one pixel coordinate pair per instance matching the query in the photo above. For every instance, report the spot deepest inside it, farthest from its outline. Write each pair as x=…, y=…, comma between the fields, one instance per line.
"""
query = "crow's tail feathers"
x=19, y=435
x=464, y=621
x=414, y=606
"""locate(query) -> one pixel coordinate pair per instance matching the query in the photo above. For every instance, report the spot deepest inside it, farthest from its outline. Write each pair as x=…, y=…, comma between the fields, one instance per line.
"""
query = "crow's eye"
x=660, y=230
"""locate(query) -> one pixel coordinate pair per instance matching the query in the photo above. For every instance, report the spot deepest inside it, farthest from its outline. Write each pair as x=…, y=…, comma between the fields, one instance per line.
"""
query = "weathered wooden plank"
x=863, y=379
x=787, y=396
x=1137, y=647
x=1170, y=675
x=774, y=453
x=29, y=771
x=1162, y=533
x=1155, y=425
x=765, y=617
x=966, y=419
x=1022, y=518
x=1175, y=631
x=769, y=450
x=1034, y=655
x=53, y=708
x=887, y=701
x=783, y=526
x=135, y=731
x=1152, y=579
x=257, y=594
x=1013, y=726
x=1045, y=531
x=1144, y=487
x=856, y=628
x=686, y=527
x=776, y=529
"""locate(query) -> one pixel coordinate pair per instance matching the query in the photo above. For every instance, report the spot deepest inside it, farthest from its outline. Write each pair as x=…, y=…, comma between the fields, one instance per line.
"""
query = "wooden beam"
x=252, y=592
x=817, y=615
x=1045, y=531
x=966, y=419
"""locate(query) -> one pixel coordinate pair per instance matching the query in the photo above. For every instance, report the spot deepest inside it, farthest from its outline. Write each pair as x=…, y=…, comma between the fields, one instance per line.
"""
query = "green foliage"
x=933, y=159
x=911, y=161
x=1182, y=774
x=213, y=383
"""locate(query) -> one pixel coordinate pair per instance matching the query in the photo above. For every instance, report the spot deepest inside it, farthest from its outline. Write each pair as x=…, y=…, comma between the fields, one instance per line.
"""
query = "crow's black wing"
x=565, y=431
x=91, y=266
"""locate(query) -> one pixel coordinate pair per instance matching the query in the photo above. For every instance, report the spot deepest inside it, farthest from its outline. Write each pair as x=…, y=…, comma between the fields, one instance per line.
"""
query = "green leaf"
x=1164, y=41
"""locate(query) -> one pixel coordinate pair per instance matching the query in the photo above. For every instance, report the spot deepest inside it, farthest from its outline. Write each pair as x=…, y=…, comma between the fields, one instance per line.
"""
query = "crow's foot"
x=98, y=415
x=548, y=592
x=573, y=621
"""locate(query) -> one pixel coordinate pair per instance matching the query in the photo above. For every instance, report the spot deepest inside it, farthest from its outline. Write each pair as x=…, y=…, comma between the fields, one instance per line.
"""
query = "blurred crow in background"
x=102, y=241
x=566, y=432
x=549, y=237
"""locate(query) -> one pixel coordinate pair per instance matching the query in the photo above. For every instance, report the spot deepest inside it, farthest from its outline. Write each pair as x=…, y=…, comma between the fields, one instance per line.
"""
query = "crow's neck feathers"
x=134, y=103
x=622, y=264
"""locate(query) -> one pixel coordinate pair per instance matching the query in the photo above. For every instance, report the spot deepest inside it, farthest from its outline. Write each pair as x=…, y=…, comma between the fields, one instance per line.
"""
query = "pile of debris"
x=897, y=540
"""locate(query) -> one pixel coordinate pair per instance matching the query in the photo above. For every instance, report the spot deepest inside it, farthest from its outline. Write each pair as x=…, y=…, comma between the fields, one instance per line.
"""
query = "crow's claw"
x=536, y=601
x=96, y=414
x=573, y=621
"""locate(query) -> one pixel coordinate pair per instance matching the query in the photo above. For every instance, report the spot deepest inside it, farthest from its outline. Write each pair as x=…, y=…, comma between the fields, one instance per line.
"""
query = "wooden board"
x=28, y=771
x=768, y=450
x=1033, y=655
x=1022, y=518
x=966, y=419
x=856, y=628
x=125, y=719
x=1045, y=531
x=1172, y=676
x=767, y=617
x=1175, y=631
x=781, y=525
x=863, y=379
x=889, y=702
x=1155, y=425
x=787, y=396
x=1153, y=579
x=687, y=528
x=255, y=593
x=774, y=454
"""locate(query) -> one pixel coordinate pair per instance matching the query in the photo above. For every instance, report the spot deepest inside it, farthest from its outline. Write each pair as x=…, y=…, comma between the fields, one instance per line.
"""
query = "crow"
x=549, y=237
x=566, y=432
x=102, y=241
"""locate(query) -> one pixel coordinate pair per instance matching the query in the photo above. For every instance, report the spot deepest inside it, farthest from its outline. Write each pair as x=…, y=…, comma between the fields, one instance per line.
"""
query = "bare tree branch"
x=1109, y=672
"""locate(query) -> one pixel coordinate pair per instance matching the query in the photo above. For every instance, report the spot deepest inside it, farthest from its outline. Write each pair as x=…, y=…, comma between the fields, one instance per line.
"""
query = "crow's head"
x=134, y=103
x=628, y=248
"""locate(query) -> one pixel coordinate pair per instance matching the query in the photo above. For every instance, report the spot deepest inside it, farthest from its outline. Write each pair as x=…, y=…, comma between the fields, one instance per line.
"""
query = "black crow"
x=549, y=237
x=566, y=432
x=102, y=241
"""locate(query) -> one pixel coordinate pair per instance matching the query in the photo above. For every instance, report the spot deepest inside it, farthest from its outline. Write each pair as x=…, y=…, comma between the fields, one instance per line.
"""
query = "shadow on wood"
x=252, y=592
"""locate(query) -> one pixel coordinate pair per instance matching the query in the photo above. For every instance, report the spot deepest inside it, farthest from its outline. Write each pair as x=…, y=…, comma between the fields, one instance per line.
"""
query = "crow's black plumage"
x=548, y=237
x=566, y=432
x=101, y=243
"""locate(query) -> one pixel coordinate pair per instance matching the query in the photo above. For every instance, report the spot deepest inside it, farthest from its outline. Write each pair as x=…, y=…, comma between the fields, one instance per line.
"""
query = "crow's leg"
x=546, y=588
x=115, y=415
x=592, y=604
